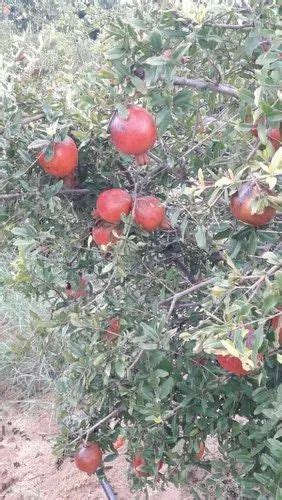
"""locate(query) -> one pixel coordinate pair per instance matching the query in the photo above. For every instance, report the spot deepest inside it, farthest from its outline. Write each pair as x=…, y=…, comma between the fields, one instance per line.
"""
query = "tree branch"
x=230, y=26
x=88, y=431
x=74, y=192
x=203, y=85
x=174, y=298
x=25, y=121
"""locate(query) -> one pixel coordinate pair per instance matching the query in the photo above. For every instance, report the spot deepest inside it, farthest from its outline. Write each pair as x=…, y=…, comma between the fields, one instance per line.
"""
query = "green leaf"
x=163, y=119
x=156, y=41
x=165, y=388
x=115, y=53
x=120, y=368
x=139, y=84
x=200, y=236
x=156, y=61
x=122, y=111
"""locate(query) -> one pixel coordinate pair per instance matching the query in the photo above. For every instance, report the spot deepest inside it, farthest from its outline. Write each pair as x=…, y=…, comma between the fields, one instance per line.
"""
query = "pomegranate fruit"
x=64, y=160
x=113, y=330
x=274, y=135
x=119, y=443
x=112, y=203
x=201, y=452
x=276, y=324
x=241, y=202
x=89, y=458
x=139, y=462
x=231, y=364
x=149, y=213
x=106, y=234
x=135, y=134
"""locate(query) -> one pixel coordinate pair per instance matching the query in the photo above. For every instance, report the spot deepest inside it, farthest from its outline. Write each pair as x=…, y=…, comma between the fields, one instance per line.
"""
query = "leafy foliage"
x=183, y=296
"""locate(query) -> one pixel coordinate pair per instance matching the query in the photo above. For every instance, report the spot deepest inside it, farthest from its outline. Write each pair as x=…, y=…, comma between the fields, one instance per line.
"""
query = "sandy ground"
x=28, y=468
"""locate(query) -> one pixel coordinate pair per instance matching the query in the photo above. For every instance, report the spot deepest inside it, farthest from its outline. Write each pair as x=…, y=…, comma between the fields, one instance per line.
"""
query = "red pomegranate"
x=231, y=364
x=112, y=203
x=89, y=458
x=241, y=202
x=274, y=134
x=201, y=451
x=113, y=330
x=119, y=443
x=64, y=160
x=105, y=234
x=149, y=213
x=135, y=134
x=276, y=324
x=139, y=462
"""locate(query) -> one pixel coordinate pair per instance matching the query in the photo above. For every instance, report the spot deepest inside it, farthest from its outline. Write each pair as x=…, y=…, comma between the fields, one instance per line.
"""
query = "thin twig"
x=230, y=26
x=254, y=288
x=25, y=121
x=220, y=88
x=174, y=298
x=74, y=192
x=88, y=431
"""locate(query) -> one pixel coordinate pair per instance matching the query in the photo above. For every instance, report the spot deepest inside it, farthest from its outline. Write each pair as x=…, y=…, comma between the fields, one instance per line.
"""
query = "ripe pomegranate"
x=112, y=203
x=113, y=330
x=64, y=160
x=119, y=443
x=105, y=234
x=89, y=458
x=201, y=451
x=149, y=213
x=241, y=202
x=138, y=463
x=135, y=134
x=274, y=134
x=231, y=364
x=276, y=324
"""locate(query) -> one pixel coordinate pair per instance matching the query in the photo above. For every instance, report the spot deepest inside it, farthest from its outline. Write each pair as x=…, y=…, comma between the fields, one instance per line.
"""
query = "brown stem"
x=25, y=121
x=203, y=85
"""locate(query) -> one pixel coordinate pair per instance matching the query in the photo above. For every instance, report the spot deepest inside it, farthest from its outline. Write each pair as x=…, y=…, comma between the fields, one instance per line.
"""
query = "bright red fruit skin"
x=89, y=458
x=274, y=135
x=136, y=134
x=113, y=330
x=231, y=364
x=149, y=213
x=138, y=463
x=103, y=234
x=64, y=160
x=112, y=203
x=241, y=205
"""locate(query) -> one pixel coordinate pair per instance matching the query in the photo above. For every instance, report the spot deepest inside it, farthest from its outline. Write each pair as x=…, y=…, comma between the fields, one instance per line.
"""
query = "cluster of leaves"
x=162, y=372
